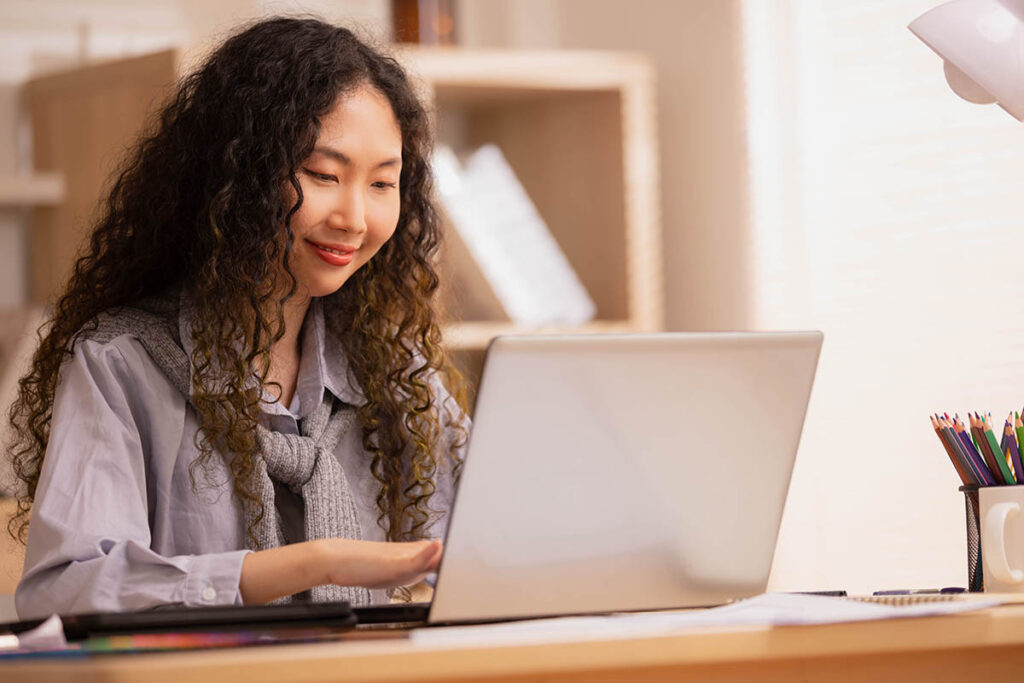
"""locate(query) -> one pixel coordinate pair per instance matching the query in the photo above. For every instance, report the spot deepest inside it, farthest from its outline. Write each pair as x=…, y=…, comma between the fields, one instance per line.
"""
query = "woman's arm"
x=275, y=573
x=90, y=545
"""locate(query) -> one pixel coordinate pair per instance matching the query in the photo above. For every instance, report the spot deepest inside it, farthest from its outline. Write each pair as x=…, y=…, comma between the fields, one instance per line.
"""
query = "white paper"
x=769, y=609
x=509, y=240
x=785, y=609
x=49, y=635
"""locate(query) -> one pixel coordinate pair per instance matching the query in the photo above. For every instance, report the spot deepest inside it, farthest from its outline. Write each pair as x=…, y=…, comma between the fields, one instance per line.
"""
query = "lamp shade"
x=982, y=44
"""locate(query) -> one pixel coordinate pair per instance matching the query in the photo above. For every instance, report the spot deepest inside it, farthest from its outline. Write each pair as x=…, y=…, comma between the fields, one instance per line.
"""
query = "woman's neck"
x=284, y=354
x=294, y=316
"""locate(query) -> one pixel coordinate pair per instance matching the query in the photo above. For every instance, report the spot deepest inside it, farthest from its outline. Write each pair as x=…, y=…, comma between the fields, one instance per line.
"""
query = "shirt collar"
x=328, y=356
x=323, y=363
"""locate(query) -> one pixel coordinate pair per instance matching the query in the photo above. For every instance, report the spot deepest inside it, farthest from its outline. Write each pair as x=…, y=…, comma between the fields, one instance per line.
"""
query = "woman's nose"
x=349, y=212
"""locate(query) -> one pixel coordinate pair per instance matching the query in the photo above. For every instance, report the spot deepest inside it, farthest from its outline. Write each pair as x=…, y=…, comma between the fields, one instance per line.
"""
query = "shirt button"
x=209, y=593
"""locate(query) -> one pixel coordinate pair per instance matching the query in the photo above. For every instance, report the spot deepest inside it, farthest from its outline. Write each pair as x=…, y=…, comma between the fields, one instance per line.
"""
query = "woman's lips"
x=334, y=255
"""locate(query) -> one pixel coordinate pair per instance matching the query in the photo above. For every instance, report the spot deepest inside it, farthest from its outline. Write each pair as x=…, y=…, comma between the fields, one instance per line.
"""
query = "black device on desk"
x=335, y=615
x=405, y=613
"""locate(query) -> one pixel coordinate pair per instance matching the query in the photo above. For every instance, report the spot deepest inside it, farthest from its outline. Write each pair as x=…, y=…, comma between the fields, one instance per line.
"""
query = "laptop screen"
x=624, y=472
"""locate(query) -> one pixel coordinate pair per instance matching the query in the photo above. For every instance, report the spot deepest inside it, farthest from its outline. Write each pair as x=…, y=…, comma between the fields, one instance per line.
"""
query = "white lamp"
x=982, y=44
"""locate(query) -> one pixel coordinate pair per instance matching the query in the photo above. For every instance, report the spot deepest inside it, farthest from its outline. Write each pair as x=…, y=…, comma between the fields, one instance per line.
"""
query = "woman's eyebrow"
x=343, y=158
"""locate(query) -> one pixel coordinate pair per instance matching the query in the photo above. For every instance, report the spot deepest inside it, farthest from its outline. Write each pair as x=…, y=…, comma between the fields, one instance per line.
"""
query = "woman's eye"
x=326, y=177
x=381, y=185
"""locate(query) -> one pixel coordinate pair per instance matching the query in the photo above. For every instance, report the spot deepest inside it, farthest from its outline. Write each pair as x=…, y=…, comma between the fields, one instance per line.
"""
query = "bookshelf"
x=577, y=127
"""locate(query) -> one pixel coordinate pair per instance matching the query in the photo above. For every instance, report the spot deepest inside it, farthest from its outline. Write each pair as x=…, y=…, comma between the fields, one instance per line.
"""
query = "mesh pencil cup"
x=975, y=578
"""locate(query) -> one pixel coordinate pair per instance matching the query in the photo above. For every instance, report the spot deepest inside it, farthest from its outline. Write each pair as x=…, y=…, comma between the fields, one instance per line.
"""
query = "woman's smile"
x=334, y=254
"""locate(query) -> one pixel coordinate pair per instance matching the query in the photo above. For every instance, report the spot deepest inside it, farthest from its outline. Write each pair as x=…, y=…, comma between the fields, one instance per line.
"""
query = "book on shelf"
x=509, y=240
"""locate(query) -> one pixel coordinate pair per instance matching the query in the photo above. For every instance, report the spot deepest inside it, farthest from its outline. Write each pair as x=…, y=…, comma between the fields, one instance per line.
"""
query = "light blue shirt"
x=116, y=524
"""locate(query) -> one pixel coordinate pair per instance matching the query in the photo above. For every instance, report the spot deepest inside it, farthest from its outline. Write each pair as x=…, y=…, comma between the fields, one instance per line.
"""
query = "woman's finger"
x=431, y=555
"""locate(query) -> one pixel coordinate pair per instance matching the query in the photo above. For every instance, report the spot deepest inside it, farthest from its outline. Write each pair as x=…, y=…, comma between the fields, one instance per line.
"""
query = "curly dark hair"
x=200, y=204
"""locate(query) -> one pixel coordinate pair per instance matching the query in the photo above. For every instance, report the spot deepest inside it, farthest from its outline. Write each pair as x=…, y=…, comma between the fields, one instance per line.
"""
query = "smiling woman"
x=242, y=395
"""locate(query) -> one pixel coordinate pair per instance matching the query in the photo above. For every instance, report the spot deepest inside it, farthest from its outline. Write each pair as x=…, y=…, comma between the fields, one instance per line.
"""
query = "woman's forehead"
x=361, y=123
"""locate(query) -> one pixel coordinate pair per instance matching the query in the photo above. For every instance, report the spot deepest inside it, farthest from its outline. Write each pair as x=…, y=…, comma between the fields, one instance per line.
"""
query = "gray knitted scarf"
x=305, y=462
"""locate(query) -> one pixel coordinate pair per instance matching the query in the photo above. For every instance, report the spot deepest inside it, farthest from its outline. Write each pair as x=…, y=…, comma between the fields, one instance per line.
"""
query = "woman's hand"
x=379, y=565
x=275, y=573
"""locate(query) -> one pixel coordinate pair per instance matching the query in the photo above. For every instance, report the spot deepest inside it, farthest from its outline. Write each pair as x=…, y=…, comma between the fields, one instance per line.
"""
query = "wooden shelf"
x=502, y=72
x=40, y=189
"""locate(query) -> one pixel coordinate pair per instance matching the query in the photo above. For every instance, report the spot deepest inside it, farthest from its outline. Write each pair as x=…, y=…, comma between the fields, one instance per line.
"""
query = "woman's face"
x=350, y=192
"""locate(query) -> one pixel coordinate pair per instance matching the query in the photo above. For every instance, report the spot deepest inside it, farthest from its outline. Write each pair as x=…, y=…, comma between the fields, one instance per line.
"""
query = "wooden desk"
x=982, y=646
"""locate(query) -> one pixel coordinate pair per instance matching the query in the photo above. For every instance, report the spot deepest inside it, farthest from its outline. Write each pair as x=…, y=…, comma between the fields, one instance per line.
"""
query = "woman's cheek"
x=387, y=221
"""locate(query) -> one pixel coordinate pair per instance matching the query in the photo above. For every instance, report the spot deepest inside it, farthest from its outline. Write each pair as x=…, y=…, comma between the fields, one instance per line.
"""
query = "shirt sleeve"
x=89, y=546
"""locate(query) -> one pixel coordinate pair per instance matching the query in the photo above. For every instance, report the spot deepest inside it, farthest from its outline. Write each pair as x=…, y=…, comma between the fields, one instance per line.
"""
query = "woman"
x=239, y=397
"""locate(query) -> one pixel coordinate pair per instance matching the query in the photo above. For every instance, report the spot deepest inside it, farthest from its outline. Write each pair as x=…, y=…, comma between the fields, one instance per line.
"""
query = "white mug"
x=1002, y=538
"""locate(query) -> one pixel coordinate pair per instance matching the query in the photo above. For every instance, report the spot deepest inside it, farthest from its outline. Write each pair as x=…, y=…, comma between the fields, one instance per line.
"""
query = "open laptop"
x=622, y=472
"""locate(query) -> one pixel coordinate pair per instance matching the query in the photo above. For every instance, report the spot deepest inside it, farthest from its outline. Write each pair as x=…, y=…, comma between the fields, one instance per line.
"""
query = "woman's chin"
x=318, y=289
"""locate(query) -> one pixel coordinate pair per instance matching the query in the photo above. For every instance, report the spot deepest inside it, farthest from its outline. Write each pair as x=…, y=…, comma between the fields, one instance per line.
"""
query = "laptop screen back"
x=624, y=472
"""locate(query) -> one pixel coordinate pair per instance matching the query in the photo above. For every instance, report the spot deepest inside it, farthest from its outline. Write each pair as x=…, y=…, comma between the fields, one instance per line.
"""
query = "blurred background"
x=764, y=164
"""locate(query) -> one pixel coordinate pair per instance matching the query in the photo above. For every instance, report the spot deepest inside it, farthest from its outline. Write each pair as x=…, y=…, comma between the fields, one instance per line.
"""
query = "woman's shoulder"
x=141, y=319
x=114, y=382
x=121, y=358
x=140, y=337
x=132, y=343
x=108, y=348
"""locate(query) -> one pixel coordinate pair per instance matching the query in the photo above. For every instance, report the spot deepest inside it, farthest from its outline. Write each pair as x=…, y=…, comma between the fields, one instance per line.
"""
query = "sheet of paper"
x=770, y=609
x=49, y=635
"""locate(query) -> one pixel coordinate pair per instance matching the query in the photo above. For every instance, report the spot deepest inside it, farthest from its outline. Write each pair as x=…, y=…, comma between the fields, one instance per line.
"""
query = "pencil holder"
x=975, y=578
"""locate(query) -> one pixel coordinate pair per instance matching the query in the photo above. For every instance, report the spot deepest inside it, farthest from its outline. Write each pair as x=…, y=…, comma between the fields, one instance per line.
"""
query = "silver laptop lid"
x=624, y=472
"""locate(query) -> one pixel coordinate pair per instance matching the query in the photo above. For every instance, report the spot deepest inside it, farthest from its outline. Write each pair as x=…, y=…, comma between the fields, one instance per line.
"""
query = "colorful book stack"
x=978, y=458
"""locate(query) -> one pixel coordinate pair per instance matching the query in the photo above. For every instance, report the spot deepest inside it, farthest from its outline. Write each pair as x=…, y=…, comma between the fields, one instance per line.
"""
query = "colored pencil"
x=952, y=451
x=1004, y=450
x=982, y=443
x=1018, y=428
x=1013, y=448
x=985, y=477
x=978, y=458
x=963, y=455
x=1004, y=468
x=974, y=457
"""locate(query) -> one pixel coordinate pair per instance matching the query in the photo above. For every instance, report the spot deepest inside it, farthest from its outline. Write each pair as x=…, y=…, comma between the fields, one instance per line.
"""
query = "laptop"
x=621, y=472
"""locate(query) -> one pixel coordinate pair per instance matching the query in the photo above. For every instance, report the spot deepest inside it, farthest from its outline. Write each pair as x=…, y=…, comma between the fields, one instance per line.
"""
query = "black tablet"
x=408, y=613
x=335, y=615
